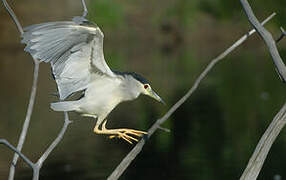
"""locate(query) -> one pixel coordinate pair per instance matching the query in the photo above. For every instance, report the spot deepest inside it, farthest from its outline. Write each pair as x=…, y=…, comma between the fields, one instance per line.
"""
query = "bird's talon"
x=126, y=134
x=138, y=133
x=133, y=132
x=126, y=139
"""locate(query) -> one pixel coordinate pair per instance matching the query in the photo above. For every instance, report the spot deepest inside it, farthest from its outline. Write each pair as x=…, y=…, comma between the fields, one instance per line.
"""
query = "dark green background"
x=169, y=42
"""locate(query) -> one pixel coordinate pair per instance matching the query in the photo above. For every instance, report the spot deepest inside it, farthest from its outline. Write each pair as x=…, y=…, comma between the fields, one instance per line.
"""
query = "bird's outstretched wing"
x=74, y=49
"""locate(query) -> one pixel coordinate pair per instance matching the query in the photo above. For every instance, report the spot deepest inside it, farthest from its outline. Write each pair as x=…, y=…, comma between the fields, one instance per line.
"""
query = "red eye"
x=146, y=86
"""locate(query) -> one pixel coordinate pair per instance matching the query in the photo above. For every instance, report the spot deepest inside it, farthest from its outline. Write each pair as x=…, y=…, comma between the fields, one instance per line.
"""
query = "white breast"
x=101, y=97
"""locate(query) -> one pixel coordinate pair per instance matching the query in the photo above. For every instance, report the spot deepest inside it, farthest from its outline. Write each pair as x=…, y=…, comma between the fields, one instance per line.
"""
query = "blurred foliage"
x=107, y=13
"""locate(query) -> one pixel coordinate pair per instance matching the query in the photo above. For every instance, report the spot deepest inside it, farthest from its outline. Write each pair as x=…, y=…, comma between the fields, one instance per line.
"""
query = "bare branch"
x=10, y=146
x=22, y=138
x=85, y=11
x=257, y=160
x=37, y=166
x=32, y=97
x=259, y=155
x=268, y=39
x=137, y=149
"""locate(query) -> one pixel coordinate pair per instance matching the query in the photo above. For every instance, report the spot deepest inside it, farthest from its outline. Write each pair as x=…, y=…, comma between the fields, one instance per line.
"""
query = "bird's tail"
x=65, y=106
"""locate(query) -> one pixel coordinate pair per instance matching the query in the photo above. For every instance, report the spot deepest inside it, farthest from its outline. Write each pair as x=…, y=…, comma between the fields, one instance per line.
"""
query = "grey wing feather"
x=74, y=51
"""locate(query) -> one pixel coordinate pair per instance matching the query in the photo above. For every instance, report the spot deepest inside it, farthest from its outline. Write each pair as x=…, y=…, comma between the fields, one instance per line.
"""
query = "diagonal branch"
x=261, y=151
x=137, y=149
x=268, y=39
x=27, y=120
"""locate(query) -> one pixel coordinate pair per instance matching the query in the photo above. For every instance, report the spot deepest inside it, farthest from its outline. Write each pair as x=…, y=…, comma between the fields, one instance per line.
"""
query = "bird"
x=74, y=50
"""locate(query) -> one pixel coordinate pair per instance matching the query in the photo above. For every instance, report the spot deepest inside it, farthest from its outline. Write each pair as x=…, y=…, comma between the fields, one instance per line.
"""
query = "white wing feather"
x=74, y=50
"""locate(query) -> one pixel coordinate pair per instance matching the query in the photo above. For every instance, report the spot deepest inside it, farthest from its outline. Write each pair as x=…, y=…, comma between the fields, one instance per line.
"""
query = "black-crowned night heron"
x=75, y=51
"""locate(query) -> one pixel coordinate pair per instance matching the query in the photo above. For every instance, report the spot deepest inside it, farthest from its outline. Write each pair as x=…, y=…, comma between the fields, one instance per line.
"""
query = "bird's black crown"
x=134, y=75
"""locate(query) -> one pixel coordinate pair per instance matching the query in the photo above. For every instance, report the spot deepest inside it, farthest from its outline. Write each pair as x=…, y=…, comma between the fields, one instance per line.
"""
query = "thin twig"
x=259, y=155
x=10, y=146
x=13, y=16
x=85, y=11
x=137, y=149
x=268, y=39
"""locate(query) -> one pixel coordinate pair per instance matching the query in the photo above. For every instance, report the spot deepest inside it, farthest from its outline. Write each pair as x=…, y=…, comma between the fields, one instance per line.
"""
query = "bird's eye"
x=146, y=86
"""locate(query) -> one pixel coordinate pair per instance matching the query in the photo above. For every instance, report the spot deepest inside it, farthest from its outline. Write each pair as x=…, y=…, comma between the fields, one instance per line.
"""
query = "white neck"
x=130, y=88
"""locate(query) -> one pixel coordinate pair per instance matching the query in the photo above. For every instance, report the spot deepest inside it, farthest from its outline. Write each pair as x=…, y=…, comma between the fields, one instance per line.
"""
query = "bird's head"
x=145, y=88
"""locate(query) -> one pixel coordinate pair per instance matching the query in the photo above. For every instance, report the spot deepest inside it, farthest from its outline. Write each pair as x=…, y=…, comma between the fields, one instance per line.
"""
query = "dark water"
x=212, y=135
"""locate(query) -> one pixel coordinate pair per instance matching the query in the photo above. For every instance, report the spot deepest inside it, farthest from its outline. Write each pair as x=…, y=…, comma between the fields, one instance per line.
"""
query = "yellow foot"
x=126, y=134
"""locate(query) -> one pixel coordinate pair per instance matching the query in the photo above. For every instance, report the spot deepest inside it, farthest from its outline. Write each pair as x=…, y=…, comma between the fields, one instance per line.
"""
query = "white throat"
x=130, y=88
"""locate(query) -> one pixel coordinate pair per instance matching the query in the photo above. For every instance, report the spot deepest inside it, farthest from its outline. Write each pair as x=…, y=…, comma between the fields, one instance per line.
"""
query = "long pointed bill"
x=155, y=96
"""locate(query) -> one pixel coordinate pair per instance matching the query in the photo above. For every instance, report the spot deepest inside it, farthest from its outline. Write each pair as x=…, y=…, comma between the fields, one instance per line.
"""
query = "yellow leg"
x=120, y=133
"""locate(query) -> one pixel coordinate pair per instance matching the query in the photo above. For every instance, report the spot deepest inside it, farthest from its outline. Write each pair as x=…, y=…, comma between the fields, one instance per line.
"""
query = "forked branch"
x=31, y=100
x=37, y=166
